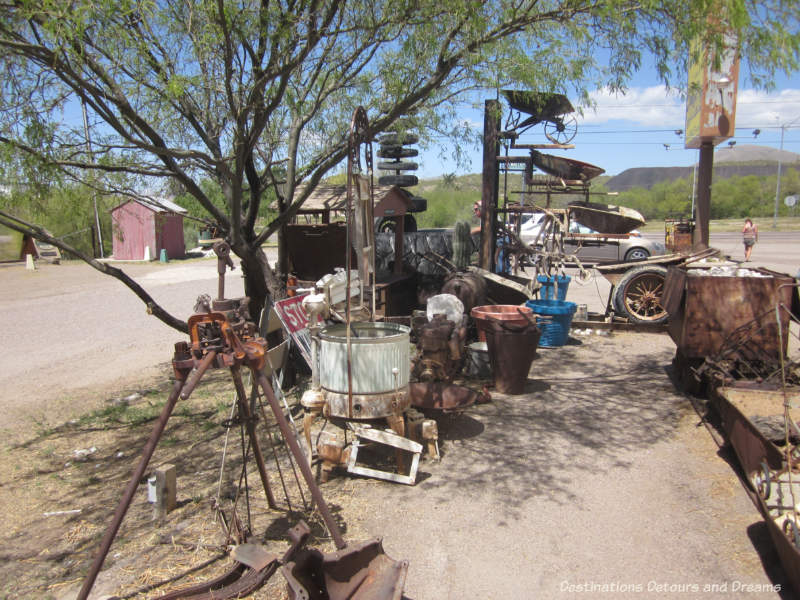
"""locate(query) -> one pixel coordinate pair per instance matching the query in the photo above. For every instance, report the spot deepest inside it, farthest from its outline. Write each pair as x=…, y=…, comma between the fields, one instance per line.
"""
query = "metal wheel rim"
x=637, y=255
x=561, y=131
x=642, y=296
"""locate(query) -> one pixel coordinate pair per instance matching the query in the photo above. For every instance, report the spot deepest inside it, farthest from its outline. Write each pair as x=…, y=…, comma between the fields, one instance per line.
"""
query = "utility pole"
x=94, y=193
x=784, y=127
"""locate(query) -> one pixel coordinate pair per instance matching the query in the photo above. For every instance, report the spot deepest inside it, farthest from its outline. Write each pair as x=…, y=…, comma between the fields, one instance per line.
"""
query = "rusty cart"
x=637, y=288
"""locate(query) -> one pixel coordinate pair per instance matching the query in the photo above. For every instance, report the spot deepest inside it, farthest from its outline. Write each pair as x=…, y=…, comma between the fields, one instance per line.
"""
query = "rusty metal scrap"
x=440, y=347
x=359, y=572
x=240, y=580
x=444, y=397
x=223, y=338
x=748, y=353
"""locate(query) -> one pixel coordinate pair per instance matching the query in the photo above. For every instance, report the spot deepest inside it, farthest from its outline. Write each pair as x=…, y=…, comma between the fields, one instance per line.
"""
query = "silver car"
x=597, y=249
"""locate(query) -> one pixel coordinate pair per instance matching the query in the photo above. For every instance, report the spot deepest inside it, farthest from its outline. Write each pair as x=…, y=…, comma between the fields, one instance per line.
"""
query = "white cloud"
x=651, y=106
x=759, y=109
x=658, y=107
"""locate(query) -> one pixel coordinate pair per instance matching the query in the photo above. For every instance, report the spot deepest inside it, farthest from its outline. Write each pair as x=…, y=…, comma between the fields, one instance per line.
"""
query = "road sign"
x=293, y=317
x=790, y=201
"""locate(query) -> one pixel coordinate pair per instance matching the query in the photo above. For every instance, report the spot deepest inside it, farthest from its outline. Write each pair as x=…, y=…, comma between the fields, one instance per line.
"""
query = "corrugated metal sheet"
x=377, y=348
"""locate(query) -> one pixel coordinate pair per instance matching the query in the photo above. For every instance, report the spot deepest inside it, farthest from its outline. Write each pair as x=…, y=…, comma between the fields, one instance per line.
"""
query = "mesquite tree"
x=257, y=96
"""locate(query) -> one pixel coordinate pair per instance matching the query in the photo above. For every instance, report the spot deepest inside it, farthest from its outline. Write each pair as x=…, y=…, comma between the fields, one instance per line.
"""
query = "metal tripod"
x=220, y=338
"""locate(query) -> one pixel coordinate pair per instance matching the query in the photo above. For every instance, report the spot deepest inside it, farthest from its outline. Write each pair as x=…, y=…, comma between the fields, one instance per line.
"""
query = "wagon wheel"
x=637, y=296
x=791, y=531
x=762, y=480
x=561, y=130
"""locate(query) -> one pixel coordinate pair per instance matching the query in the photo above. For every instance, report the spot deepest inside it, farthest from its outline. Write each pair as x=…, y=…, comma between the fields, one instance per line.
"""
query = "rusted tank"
x=380, y=365
x=704, y=309
x=468, y=287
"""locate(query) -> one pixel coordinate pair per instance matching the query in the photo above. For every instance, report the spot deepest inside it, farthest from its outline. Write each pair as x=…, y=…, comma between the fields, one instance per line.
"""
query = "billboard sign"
x=711, y=97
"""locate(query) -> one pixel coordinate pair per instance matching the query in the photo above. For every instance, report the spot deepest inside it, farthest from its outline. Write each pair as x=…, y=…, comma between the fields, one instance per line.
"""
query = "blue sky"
x=638, y=129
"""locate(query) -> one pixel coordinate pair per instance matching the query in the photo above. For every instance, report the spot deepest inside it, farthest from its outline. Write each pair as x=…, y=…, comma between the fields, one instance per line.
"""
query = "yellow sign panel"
x=711, y=98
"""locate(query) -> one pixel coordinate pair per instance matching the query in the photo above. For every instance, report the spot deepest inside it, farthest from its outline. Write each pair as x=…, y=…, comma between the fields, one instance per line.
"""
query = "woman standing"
x=749, y=237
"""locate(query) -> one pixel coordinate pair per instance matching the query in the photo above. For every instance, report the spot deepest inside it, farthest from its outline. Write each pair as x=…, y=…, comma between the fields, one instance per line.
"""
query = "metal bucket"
x=377, y=350
x=512, y=348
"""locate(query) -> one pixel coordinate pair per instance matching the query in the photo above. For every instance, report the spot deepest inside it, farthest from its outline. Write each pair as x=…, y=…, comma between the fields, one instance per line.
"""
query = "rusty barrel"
x=511, y=337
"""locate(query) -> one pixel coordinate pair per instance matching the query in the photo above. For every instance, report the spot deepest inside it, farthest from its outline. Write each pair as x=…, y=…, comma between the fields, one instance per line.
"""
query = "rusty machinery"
x=440, y=347
x=223, y=336
x=562, y=176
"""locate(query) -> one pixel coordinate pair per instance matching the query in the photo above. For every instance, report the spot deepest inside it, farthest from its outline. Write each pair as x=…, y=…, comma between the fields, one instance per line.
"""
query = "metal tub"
x=377, y=349
x=705, y=310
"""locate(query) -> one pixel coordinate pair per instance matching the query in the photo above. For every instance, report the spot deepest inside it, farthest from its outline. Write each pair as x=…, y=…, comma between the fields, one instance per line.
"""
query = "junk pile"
x=736, y=331
x=222, y=336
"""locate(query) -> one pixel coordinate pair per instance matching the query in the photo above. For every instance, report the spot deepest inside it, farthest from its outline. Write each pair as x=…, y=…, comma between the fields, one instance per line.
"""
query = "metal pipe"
x=130, y=490
x=247, y=416
x=305, y=469
x=197, y=374
x=784, y=127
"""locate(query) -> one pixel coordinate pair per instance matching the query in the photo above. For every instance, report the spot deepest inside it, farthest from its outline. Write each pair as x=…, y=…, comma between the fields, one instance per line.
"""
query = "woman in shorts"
x=749, y=237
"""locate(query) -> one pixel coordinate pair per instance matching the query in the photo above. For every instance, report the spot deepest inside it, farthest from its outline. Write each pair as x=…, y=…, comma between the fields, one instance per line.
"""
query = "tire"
x=637, y=295
x=396, y=152
x=399, y=165
x=387, y=224
x=418, y=204
x=398, y=180
x=636, y=254
x=397, y=138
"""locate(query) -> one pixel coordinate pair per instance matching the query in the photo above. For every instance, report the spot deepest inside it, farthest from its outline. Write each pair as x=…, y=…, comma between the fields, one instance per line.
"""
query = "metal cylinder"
x=376, y=349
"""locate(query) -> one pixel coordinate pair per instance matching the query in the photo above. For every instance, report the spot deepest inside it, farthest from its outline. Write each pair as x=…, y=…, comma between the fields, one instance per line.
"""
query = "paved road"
x=776, y=250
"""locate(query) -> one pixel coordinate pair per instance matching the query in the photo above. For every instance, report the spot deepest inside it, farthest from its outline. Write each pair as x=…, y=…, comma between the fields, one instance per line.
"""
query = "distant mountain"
x=746, y=159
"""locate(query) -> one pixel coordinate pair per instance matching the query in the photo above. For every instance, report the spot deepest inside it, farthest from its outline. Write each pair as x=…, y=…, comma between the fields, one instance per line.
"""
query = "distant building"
x=145, y=227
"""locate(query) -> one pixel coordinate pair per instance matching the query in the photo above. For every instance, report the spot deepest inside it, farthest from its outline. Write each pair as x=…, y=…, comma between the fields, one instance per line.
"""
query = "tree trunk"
x=262, y=284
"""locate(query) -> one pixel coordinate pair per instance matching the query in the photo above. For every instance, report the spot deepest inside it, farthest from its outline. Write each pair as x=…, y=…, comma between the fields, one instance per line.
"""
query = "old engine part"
x=468, y=287
x=440, y=347
x=446, y=398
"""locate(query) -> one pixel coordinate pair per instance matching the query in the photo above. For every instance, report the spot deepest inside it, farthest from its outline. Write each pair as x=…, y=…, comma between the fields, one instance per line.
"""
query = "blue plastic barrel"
x=546, y=292
x=556, y=321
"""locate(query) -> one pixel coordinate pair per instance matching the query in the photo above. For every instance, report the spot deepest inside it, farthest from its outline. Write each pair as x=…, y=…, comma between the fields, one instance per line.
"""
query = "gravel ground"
x=598, y=481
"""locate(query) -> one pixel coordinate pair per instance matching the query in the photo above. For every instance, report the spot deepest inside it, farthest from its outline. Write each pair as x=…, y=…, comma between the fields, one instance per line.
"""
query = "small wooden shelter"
x=143, y=228
x=316, y=241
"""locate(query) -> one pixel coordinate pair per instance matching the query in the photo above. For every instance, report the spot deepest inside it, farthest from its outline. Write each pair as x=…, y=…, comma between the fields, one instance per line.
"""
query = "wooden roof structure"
x=334, y=197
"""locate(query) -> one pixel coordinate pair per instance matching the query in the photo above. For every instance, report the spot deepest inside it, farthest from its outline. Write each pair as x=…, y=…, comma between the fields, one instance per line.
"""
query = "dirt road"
x=75, y=337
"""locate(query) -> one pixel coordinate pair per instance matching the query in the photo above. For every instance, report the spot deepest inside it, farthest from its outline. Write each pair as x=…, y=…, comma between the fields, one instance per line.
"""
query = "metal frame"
x=389, y=439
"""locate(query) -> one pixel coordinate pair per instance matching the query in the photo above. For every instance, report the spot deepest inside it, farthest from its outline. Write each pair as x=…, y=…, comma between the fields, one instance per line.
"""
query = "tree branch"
x=39, y=233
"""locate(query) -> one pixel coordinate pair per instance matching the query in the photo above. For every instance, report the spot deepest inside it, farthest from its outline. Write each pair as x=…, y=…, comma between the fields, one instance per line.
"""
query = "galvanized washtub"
x=380, y=366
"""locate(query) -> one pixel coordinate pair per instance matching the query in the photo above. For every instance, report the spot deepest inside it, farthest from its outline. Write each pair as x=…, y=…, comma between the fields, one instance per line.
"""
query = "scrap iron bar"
x=130, y=490
x=305, y=469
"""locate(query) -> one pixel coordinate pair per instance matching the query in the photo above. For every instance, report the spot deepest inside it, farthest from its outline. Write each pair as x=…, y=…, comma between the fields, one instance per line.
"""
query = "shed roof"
x=156, y=204
x=334, y=197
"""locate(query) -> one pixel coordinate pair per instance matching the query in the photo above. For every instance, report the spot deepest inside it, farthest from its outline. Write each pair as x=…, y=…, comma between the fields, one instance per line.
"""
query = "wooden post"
x=489, y=188
x=703, y=206
x=166, y=490
x=399, y=240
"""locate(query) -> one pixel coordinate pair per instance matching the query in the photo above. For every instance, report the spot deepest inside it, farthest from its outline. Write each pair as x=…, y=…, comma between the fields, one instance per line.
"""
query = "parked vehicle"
x=591, y=246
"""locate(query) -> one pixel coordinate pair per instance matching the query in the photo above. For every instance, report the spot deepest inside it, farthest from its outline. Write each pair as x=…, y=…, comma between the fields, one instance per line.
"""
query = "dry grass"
x=48, y=556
